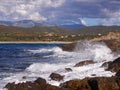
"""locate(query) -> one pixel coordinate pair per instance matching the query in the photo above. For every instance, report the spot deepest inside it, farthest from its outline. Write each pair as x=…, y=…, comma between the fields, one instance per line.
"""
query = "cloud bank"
x=62, y=11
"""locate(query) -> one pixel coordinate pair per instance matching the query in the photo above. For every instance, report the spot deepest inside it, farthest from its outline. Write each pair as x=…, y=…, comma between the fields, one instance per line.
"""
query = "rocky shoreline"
x=94, y=83
x=88, y=83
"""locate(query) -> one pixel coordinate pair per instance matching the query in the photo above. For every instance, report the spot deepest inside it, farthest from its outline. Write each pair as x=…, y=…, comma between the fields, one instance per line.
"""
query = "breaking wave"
x=98, y=52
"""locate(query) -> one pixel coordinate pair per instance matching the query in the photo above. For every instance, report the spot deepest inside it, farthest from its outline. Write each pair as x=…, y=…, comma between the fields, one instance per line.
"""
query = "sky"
x=87, y=12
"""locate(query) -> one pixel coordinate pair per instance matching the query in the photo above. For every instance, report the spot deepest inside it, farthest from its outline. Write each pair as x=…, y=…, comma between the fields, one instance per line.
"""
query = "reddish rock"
x=56, y=77
x=87, y=62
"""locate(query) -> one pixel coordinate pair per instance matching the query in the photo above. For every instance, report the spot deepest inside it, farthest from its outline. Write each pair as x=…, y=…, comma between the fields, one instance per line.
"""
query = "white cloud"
x=24, y=9
x=113, y=17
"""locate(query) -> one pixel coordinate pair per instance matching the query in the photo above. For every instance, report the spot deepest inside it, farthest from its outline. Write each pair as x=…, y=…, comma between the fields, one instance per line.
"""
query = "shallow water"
x=40, y=60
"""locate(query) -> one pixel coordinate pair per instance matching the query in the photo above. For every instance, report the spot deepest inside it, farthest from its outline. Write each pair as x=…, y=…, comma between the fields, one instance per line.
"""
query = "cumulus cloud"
x=58, y=11
x=24, y=9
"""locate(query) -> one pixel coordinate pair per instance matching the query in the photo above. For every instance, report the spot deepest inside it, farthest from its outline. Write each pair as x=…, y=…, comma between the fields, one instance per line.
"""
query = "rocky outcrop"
x=113, y=44
x=56, y=77
x=97, y=83
x=68, y=47
x=105, y=64
x=39, y=84
x=114, y=66
x=112, y=40
x=86, y=62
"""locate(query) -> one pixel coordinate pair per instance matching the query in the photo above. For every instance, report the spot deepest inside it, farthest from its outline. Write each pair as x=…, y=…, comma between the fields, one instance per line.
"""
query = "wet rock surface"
x=97, y=83
x=68, y=69
x=39, y=84
x=114, y=66
x=87, y=62
x=68, y=47
x=56, y=77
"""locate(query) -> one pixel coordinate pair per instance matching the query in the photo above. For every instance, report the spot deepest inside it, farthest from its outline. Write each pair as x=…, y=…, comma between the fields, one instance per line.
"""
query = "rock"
x=68, y=69
x=93, y=83
x=106, y=83
x=98, y=83
x=115, y=65
x=68, y=47
x=117, y=74
x=56, y=77
x=93, y=74
x=39, y=84
x=114, y=45
x=76, y=84
x=87, y=62
x=105, y=64
x=24, y=77
x=42, y=82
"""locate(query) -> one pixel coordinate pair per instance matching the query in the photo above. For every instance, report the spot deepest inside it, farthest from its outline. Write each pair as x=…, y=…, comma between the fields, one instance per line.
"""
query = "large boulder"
x=56, y=77
x=86, y=62
x=76, y=84
x=98, y=83
x=114, y=66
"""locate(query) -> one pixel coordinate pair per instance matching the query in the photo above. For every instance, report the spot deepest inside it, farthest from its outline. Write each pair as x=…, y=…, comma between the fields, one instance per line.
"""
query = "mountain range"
x=31, y=23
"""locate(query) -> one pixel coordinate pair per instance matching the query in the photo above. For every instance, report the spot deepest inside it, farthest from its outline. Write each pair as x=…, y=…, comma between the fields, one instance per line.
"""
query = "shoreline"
x=35, y=42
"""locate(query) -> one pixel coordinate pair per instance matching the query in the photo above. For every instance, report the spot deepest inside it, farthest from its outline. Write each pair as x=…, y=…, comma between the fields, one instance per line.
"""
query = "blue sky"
x=88, y=12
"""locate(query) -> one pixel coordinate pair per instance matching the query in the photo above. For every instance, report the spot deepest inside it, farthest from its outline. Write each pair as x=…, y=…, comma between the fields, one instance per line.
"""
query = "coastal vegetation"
x=9, y=33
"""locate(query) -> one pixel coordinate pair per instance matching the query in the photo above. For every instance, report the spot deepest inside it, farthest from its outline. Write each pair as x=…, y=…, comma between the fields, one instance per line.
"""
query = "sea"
x=26, y=62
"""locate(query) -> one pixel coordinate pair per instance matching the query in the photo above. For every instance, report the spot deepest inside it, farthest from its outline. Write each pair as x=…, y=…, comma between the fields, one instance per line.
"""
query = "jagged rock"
x=56, y=77
x=115, y=65
x=39, y=84
x=68, y=69
x=84, y=63
x=98, y=83
x=76, y=84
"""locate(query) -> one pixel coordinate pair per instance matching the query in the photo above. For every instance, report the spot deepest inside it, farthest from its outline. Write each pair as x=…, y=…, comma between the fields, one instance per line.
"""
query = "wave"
x=98, y=52
x=46, y=50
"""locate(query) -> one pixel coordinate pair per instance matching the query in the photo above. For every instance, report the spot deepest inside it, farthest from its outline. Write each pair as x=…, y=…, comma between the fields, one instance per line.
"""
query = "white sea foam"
x=98, y=52
x=46, y=50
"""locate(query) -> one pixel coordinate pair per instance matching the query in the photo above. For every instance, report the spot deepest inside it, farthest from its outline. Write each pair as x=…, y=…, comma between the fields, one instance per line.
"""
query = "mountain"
x=31, y=23
x=72, y=26
x=24, y=23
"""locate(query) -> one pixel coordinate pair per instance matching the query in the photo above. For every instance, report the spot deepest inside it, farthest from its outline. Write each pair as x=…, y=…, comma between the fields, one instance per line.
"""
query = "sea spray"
x=97, y=51
x=58, y=60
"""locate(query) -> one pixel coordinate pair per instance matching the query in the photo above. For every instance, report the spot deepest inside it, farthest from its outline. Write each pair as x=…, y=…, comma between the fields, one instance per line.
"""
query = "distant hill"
x=24, y=23
x=97, y=29
x=60, y=30
x=31, y=23
x=72, y=26
x=53, y=33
